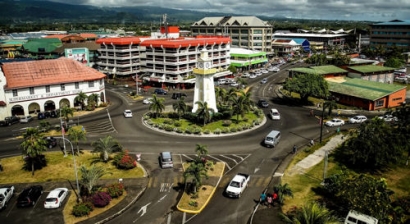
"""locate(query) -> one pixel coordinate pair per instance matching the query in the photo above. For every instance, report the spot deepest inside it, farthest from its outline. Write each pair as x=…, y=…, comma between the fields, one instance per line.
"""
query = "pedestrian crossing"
x=168, y=183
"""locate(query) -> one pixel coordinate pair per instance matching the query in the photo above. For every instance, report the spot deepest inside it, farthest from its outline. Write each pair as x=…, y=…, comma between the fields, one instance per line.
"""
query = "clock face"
x=207, y=65
x=200, y=64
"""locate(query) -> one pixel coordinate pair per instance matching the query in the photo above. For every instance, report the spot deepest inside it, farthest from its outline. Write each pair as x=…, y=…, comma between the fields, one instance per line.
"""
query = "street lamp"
x=321, y=123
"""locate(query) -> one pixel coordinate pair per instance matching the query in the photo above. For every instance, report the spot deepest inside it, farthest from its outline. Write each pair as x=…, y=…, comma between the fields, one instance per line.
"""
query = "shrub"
x=103, y=104
x=168, y=121
x=196, y=130
x=124, y=161
x=227, y=123
x=179, y=130
x=82, y=209
x=217, y=131
x=225, y=130
x=177, y=124
x=101, y=199
x=115, y=190
x=168, y=127
x=189, y=130
x=233, y=129
x=161, y=126
x=193, y=203
x=207, y=131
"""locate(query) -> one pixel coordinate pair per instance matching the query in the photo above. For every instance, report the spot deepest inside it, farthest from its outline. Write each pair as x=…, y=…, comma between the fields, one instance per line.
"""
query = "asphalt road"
x=157, y=205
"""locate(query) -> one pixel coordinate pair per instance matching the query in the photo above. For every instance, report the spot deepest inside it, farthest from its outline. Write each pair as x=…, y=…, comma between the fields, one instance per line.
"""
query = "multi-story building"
x=393, y=33
x=244, y=59
x=247, y=32
x=46, y=85
x=327, y=39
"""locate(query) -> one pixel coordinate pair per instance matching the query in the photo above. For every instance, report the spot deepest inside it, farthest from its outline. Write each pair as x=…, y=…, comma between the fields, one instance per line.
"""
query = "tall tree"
x=33, y=147
x=201, y=150
x=283, y=190
x=203, y=112
x=92, y=100
x=105, y=146
x=81, y=97
x=195, y=172
x=157, y=105
x=180, y=107
x=66, y=112
x=330, y=105
x=90, y=176
x=241, y=104
x=308, y=85
x=310, y=213
x=76, y=134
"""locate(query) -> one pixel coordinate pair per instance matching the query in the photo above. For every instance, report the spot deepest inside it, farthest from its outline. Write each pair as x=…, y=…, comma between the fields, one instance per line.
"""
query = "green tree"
x=241, y=104
x=307, y=85
x=317, y=59
x=283, y=190
x=394, y=62
x=66, y=112
x=92, y=100
x=81, y=97
x=105, y=146
x=330, y=105
x=33, y=147
x=157, y=105
x=310, y=213
x=76, y=134
x=201, y=150
x=180, y=107
x=203, y=112
x=195, y=172
x=90, y=177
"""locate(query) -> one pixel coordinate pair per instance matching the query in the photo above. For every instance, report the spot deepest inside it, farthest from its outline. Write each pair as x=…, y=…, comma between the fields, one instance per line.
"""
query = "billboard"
x=78, y=54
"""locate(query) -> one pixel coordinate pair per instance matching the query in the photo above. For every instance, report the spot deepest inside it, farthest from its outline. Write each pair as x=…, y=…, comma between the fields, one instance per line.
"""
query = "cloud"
x=375, y=10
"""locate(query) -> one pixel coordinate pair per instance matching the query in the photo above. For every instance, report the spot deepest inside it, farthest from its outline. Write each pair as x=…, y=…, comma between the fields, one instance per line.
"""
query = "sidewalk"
x=263, y=214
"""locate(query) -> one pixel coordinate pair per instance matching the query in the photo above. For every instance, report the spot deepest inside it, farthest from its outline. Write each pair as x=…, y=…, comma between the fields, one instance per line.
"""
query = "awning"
x=3, y=104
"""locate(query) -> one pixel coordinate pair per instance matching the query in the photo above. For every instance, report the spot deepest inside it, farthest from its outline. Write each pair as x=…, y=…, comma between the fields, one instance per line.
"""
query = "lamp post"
x=321, y=123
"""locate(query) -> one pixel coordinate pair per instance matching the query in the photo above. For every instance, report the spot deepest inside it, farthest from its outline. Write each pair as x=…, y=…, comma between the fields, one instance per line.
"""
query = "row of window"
x=62, y=87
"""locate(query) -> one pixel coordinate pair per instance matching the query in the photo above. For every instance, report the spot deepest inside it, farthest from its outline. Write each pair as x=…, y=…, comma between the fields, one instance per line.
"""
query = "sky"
x=359, y=10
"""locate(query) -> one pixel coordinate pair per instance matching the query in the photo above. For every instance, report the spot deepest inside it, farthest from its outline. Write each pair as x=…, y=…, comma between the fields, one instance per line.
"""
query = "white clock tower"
x=204, y=83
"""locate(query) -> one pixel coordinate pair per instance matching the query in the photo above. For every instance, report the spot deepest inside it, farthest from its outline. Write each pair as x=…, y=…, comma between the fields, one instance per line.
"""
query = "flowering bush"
x=101, y=199
x=124, y=161
x=115, y=190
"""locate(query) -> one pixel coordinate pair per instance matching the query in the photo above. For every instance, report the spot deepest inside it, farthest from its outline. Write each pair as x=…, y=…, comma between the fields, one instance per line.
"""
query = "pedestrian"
x=274, y=198
x=269, y=199
x=294, y=149
x=311, y=113
x=262, y=199
x=312, y=142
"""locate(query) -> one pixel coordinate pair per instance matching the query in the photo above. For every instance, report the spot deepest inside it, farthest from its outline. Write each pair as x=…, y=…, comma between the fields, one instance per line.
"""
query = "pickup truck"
x=5, y=194
x=9, y=121
x=237, y=185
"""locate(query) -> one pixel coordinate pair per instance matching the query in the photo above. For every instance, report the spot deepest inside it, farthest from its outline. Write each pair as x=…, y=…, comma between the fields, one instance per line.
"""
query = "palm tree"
x=201, y=150
x=330, y=105
x=91, y=176
x=157, y=105
x=75, y=134
x=33, y=146
x=204, y=112
x=220, y=94
x=180, y=107
x=282, y=191
x=65, y=112
x=93, y=100
x=81, y=97
x=241, y=103
x=105, y=146
x=311, y=213
x=196, y=171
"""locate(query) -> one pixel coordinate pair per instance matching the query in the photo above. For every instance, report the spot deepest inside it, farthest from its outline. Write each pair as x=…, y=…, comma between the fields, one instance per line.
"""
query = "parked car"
x=357, y=119
x=51, y=142
x=55, y=198
x=234, y=84
x=178, y=95
x=29, y=196
x=388, y=118
x=252, y=76
x=335, y=122
x=127, y=113
x=165, y=159
x=5, y=194
x=263, y=103
x=9, y=121
x=274, y=114
x=264, y=80
x=160, y=92
x=402, y=79
x=245, y=75
x=41, y=116
x=147, y=101
x=26, y=119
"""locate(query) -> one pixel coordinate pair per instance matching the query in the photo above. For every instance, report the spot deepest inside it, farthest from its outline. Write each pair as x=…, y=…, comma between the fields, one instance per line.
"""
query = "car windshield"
x=51, y=199
x=234, y=184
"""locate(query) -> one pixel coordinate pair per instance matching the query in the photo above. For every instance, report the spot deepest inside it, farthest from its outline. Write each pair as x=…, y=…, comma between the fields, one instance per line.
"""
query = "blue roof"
x=395, y=22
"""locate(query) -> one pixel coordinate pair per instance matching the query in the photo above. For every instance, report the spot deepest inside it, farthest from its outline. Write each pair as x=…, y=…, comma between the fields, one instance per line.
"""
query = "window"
x=62, y=87
x=31, y=90
x=77, y=85
x=91, y=84
x=379, y=103
x=101, y=82
x=47, y=89
x=15, y=92
x=395, y=99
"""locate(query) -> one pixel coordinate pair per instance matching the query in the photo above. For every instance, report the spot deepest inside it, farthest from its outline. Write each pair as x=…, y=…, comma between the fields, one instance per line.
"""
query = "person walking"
x=262, y=199
x=294, y=149
x=269, y=199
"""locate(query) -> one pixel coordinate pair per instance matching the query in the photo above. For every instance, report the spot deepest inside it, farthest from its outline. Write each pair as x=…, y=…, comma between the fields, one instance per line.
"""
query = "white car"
x=357, y=119
x=26, y=119
x=127, y=113
x=274, y=114
x=388, y=118
x=335, y=122
x=252, y=76
x=264, y=80
x=55, y=198
x=264, y=71
x=234, y=84
x=245, y=75
x=147, y=101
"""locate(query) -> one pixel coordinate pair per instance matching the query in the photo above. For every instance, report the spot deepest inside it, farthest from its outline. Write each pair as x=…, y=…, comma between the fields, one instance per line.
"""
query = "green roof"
x=12, y=42
x=320, y=70
x=363, y=89
x=370, y=68
x=49, y=44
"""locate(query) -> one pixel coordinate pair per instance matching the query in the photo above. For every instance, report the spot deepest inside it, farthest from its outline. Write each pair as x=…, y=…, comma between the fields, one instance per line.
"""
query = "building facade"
x=245, y=60
x=393, y=33
x=46, y=85
x=248, y=32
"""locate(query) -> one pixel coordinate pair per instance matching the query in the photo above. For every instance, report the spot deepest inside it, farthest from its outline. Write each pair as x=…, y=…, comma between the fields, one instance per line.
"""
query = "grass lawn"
x=205, y=192
x=398, y=179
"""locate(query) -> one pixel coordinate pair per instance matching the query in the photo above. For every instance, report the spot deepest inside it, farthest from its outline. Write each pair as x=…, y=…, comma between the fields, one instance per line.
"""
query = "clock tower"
x=204, y=82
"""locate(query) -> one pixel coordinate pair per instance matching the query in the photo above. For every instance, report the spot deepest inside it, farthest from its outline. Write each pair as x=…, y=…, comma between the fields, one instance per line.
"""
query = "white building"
x=46, y=85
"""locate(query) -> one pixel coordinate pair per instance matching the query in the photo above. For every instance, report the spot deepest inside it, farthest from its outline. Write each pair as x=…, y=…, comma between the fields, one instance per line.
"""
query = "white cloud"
x=375, y=10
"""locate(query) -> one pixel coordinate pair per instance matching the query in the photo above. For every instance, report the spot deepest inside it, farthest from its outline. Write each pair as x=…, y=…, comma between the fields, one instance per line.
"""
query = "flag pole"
x=62, y=134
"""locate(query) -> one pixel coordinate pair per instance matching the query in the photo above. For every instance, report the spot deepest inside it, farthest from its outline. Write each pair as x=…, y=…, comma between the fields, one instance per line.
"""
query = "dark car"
x=51, y=142
x=29, y=196
x=160, y=92
x=53, y=113
x=178, y=95
x=41, y=116
x=9, y=121
x=263, y=103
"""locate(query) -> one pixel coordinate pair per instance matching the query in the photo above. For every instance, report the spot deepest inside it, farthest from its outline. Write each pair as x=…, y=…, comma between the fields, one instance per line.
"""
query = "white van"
x=272, y=139
x=357, y=218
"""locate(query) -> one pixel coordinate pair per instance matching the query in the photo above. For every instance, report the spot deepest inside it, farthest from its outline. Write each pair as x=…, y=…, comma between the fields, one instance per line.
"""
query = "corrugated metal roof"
x=49, y=44
x=47, y=72
x=228, y=21
x=320, y=70
x=363, y=89
x=370, y=68
x=395, y=23
x=90, y=45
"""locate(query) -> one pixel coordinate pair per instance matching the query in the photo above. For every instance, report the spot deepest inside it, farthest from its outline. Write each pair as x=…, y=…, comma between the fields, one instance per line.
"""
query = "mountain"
x=29, y=11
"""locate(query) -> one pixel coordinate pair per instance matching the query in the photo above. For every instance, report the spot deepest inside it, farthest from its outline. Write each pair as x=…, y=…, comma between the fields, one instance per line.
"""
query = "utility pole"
x=321, y=122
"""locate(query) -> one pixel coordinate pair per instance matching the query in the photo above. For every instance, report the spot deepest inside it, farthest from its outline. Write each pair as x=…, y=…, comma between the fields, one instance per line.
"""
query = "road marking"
x=166, y=187
x=258, y=168
x=143, y=210
x=221, y=161
x=162, y=198
x=229, y=158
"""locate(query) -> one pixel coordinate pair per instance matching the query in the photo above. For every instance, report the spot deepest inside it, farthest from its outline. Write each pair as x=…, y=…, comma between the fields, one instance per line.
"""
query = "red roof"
x=47, y=72
x=185, y=42
x=119, y=40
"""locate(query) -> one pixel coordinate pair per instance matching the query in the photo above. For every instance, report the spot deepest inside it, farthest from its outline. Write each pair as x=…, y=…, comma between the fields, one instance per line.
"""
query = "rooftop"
x=320, y=70
x=47, y=72
x=370, y=68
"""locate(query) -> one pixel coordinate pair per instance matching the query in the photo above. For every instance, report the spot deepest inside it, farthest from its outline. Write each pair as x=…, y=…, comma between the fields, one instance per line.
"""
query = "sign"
x=78, y=54
x=42, y=96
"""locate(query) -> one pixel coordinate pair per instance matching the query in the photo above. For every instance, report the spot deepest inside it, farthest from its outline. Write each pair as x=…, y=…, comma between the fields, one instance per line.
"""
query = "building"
x=46, y=85
x=372, y=73
x=245, y=60
x=41, y=48
x=393, y=33
x=327, y=39
x=248, y=32
x=290, y=47
x=91, y=47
